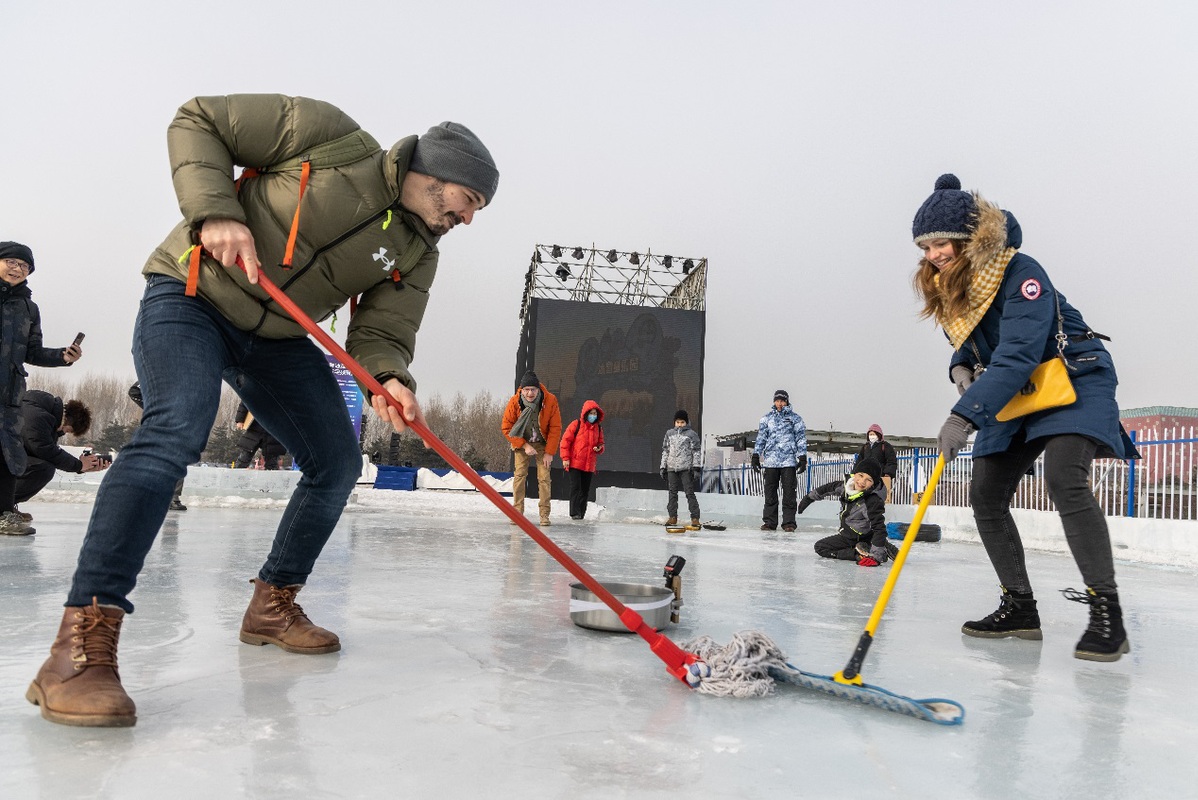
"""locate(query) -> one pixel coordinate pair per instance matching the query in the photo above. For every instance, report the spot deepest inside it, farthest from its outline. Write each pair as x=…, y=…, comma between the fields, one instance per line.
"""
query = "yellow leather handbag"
x=1048, y=387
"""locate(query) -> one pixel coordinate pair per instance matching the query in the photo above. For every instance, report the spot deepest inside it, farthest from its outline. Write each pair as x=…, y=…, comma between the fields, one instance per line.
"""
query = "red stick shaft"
x=674, y=657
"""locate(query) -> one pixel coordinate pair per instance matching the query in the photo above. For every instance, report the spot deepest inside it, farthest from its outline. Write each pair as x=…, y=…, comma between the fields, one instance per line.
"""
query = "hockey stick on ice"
x=684, y=666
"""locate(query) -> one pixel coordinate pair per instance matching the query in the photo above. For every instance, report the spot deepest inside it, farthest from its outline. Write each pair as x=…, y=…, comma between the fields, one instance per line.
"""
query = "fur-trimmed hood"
x=993, y=230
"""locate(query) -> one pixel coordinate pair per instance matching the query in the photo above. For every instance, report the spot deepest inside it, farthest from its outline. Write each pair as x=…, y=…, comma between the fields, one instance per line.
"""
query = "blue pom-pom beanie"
x=946, y=214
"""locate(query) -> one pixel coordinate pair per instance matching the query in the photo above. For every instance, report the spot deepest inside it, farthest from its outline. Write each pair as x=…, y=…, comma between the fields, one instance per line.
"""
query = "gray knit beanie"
x=451, y=152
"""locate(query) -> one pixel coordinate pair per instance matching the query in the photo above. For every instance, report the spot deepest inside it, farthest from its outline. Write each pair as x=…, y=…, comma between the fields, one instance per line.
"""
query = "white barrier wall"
x=1150, y=541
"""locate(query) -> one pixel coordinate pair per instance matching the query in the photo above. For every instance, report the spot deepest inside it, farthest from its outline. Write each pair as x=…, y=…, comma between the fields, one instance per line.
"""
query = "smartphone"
x=78, y=339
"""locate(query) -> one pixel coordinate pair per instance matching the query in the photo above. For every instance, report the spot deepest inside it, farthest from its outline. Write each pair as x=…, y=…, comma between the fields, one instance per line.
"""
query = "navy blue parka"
x=1015, y=335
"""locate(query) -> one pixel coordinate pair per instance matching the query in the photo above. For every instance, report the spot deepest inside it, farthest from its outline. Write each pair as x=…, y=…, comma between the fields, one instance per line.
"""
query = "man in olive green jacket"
x=327, y=215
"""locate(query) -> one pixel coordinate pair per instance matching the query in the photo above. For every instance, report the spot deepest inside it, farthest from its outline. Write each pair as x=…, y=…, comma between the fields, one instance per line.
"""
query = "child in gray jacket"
x=681, y=459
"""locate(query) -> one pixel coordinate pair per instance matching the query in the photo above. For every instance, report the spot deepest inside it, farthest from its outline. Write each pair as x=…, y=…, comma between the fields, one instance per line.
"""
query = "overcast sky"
x=789, y=143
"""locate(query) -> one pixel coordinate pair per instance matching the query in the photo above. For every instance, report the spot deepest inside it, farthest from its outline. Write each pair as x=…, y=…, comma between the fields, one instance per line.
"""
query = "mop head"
x=740, y=668
x=752, y=665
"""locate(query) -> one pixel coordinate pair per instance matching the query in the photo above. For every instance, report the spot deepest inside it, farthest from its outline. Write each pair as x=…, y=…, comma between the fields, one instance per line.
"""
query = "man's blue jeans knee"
x=182, y=349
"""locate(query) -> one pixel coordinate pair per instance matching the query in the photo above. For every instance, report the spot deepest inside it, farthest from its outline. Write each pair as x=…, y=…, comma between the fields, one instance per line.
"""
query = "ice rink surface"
x=461, y=674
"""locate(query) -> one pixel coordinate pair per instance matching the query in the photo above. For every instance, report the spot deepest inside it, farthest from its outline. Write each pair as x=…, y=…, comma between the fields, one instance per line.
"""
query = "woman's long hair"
x=951, y=298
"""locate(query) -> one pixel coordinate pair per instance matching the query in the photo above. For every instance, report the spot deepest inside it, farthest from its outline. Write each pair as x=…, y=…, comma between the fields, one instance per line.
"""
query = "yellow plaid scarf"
x=983, y=286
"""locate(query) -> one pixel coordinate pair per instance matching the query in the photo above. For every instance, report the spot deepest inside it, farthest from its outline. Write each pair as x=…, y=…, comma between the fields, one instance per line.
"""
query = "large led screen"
x=640, y=364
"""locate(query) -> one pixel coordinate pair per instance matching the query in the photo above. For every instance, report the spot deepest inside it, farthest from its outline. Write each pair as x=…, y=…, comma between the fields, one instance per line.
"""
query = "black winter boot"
x=1105, y=638
x=1016, y=616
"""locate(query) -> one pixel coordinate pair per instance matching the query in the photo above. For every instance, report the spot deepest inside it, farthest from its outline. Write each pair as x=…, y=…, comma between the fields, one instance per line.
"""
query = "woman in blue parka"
x=1003, y=317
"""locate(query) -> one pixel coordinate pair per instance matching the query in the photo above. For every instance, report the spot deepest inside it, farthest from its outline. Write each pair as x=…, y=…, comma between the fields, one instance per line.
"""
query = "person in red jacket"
x=582, y=442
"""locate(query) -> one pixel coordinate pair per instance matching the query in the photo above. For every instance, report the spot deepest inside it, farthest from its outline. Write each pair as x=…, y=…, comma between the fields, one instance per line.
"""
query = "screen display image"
x=640, y=364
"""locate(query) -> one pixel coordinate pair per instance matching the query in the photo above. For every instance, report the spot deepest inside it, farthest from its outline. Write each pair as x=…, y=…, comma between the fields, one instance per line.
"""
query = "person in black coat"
x=45, y=418
x=256, y=438
x=20, y=344
x=177, y=498
x=880, y=450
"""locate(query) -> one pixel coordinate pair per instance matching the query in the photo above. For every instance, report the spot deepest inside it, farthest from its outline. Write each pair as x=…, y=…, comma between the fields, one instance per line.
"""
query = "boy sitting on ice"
x=862, y=536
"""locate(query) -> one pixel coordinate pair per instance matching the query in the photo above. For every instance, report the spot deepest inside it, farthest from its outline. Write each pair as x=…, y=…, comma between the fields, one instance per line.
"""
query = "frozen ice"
x=461, y=672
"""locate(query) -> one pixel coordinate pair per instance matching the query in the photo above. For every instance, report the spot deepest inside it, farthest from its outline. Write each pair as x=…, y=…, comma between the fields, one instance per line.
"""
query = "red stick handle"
x=675, y=658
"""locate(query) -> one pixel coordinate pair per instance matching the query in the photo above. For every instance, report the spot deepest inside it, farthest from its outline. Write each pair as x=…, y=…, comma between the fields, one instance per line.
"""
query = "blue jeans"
x=182, y=349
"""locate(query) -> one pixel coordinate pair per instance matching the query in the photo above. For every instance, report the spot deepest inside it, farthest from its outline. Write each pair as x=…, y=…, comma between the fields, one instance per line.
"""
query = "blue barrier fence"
x=1163, y=484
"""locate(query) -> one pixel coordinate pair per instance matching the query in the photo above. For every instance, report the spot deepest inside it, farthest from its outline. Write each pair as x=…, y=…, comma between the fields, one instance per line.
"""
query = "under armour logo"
x=381, y=255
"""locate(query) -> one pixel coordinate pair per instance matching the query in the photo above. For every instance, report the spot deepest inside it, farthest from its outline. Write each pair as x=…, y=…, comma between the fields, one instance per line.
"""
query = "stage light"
x=634, y=259
x=557, y=252
x=577, y=254
x=612, y=255
x=668, y=261
x=687, y=266
x=562, y=272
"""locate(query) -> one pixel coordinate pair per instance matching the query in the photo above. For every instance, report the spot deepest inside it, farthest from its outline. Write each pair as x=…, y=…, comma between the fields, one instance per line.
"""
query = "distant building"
x=1172, y=426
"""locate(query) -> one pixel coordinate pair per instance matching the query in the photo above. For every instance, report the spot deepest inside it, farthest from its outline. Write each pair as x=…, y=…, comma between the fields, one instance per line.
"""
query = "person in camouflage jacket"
x=781, y=448
x=328, y=216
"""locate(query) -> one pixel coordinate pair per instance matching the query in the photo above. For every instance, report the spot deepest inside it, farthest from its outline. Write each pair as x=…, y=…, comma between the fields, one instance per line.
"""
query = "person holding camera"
x=45, y=418
x=20, y=344
x=255, y=438
x=177, y=499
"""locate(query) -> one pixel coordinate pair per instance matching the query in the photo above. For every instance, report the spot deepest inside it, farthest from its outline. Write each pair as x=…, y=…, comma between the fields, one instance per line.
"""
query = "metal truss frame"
x=619, y=277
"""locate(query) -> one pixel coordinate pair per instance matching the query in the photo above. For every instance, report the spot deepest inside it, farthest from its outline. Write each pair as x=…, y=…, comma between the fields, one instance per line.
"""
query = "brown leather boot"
x=275, y=618
x=79, y=683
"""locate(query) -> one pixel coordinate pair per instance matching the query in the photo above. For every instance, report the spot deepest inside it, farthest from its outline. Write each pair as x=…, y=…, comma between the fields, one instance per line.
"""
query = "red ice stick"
x=676, y=659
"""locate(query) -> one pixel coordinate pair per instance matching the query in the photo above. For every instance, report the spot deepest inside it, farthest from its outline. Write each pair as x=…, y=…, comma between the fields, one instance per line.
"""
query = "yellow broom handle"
x=912, y=530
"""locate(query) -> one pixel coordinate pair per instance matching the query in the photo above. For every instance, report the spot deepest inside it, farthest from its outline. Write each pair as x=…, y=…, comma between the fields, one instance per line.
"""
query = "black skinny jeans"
x=1067, y=460
x=580, y=491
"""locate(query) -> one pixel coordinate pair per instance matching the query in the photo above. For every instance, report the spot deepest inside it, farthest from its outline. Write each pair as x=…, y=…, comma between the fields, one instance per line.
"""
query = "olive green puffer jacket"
x=354, y=239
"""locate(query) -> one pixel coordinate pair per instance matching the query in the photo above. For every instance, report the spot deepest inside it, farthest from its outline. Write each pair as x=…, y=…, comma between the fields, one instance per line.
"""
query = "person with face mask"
x=582, y=442
x=880, y=450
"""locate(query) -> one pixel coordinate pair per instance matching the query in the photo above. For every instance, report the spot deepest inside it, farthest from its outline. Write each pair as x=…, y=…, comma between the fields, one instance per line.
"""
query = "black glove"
x=879, y=553
x=755, y=461
x=695, y=473
x=663, y=474
x=802, y=465
x=806, y=501
x=954, y=435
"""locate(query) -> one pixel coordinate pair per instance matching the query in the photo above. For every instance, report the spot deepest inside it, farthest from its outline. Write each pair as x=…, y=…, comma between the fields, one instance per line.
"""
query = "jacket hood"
x=49, y=403
x=586, y=407
x=994, y=230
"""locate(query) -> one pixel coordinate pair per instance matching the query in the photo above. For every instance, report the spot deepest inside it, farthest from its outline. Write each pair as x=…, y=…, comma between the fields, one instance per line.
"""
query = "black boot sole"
x=1087, y=655
x=1032, y=634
